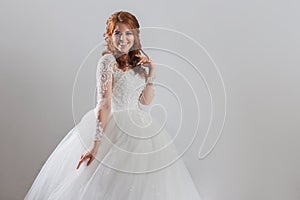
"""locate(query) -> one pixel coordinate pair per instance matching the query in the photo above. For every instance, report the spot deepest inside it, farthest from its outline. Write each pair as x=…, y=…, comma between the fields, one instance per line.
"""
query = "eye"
x=117, y=33
x=128, y=33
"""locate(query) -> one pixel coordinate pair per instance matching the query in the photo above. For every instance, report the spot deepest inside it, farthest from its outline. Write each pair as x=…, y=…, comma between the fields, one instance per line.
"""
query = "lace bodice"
x=126, y=86
x=116, y=87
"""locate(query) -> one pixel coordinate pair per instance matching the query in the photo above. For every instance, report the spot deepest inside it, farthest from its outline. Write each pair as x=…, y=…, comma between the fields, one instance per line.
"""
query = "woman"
x=130, y=157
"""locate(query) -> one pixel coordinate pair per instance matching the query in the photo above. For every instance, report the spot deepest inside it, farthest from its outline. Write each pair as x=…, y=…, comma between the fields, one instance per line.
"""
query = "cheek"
x=114, y=40
x=131, y=39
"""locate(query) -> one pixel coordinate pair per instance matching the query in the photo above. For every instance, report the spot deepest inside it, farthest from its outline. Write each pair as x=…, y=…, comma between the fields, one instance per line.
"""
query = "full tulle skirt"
x=136, y=160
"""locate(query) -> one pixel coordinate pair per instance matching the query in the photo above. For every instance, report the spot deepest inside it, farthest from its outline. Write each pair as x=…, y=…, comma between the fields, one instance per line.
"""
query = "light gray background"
x=255, y=44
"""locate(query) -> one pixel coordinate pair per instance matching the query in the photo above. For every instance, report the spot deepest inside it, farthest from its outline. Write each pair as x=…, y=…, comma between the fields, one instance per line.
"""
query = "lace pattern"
x=104, y=78
x=116, y=87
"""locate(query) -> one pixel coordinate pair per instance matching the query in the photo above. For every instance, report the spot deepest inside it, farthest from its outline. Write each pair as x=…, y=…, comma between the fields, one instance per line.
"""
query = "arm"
x=104, y=78
x=148, y=92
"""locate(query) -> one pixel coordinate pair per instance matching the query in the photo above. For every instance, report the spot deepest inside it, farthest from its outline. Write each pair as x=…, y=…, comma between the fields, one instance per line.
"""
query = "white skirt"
x=136, y=160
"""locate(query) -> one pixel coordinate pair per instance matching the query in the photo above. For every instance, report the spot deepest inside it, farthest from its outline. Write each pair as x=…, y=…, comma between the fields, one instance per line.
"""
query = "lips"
x=123, y=44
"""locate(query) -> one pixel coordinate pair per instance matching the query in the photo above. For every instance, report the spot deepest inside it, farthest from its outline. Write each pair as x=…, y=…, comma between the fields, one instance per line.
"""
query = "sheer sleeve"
x=104, y=79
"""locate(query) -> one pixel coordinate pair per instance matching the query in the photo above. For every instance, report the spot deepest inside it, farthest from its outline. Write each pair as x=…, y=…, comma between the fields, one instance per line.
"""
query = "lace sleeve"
x=104, y=78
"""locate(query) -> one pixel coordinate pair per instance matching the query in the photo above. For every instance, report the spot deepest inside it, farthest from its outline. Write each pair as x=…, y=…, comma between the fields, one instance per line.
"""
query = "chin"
x=124, y=51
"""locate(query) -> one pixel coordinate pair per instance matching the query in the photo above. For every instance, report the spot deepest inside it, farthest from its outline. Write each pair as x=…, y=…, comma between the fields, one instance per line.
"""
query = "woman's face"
x=122, y=38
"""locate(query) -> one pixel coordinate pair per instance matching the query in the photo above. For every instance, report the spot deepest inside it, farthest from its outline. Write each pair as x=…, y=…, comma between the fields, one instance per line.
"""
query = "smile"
x=123, y=44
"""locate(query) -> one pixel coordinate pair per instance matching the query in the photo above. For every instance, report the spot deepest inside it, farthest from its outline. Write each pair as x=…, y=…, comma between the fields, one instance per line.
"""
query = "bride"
x=130, y=156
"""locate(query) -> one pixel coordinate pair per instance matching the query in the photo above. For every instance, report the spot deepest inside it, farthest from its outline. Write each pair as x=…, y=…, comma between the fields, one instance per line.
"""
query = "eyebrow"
x=120, y=31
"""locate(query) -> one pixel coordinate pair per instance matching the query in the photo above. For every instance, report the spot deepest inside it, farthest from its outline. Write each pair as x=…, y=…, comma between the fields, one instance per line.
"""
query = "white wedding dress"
x=136, y=159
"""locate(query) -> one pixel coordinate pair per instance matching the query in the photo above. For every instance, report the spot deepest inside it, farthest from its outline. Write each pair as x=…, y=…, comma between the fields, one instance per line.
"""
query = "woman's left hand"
x=146, y=62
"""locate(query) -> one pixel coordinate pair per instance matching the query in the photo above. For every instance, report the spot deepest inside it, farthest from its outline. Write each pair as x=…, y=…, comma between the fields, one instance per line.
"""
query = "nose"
x=122, y=37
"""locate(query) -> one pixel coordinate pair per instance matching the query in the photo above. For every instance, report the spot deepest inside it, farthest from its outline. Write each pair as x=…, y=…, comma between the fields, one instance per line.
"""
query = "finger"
x=146, y=64
x=142, y=60
x=89, y=162
x=147, y=61
x=79, y=164
x=81, y=161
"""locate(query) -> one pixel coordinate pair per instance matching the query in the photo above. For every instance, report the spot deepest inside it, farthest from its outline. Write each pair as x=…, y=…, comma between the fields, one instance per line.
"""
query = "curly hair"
x=130, y=20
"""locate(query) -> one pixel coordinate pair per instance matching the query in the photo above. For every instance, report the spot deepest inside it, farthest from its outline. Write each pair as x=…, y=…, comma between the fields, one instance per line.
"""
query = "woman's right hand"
x=88, y=155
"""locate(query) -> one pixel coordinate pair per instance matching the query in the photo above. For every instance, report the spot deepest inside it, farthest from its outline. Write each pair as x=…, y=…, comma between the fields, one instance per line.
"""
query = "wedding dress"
x=136, y=159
